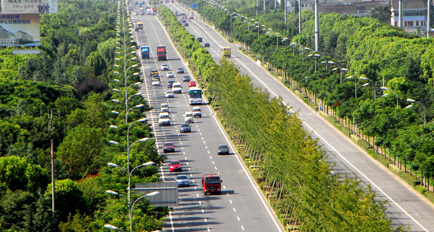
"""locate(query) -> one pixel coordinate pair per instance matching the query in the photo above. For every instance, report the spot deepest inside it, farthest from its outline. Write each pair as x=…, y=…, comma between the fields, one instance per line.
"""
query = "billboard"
x=30, y=7
x=19, y=30
x=168, y=193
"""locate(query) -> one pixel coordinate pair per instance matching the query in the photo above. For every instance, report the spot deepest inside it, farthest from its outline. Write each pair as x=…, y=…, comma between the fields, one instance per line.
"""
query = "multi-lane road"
x=241, y=206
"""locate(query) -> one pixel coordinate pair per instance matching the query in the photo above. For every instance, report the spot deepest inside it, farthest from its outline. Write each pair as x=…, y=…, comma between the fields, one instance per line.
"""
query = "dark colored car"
x=186, y=25
x=185, y=128
x=155, y=76
x=186, y=78
x=170, y=83
x=175, y=166
x=199, y=39
x=223, y=149
x=168, y=147
x=207, y=45
x=180, y=70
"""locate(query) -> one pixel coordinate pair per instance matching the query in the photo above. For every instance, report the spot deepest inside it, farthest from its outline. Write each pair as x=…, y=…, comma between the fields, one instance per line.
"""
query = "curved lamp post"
x=130, y=207
x=384, y=95
x=316, y=55
x=424, y=110
x=355, y=84
x=373, y=83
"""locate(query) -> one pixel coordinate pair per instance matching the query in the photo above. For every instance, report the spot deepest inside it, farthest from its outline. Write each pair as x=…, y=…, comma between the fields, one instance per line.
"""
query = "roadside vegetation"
x=70, y=82
x=287, y=163
x=387, y=56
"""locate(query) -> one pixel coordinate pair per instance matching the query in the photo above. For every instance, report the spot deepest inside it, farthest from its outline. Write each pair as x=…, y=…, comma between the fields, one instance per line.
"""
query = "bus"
x=140, y=25
x=195, y=96
x=227, y=51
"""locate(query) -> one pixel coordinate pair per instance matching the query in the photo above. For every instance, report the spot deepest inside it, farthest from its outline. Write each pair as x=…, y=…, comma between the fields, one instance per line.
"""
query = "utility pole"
x=53, y=190
x=257, y=8
x=428, y=20
x=400, y=14
x=299, y=16
x=316, y=27
x=264, y=6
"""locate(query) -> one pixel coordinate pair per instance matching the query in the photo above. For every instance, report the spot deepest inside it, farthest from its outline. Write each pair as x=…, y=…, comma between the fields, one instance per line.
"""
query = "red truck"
x=155, y=9
x=211, y=183
x=161, y=52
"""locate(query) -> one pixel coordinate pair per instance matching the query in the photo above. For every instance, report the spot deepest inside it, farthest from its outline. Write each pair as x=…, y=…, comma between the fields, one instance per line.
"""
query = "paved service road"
x=404, y=206
x=240, y=206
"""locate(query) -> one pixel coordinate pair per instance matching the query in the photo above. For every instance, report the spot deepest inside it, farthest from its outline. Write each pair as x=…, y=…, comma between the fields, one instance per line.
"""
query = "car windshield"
x=175, y=163
x=185, y=125
x=164, y=116
x=212, y=180
x=168, y=144
x=169, y=92
x=180, y=69
x=196, y=109
x=181, y=177
x=223, y=147
x=170, y=73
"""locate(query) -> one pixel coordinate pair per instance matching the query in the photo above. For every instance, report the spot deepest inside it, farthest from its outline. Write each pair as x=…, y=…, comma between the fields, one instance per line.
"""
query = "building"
x=414, y=13
x=356, y=8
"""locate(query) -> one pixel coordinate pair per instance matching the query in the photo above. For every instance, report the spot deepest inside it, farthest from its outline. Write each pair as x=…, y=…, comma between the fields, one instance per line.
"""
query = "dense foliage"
x=64, y=96
x=290, y=160
x=385, y=55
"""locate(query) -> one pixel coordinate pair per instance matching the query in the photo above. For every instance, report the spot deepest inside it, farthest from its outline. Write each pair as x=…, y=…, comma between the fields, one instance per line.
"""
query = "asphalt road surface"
x=404, y=206
x=241, y=206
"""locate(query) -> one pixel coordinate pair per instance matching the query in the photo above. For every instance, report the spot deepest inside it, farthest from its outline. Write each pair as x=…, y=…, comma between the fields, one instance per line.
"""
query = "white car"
x=165, y=109
x=164, y=119
x=189, y=117
x=176, y=87
x=164, y=67
x=197, y=112
x=164, y=104
x=155, y=83
x=169, y=94
x=170, y=75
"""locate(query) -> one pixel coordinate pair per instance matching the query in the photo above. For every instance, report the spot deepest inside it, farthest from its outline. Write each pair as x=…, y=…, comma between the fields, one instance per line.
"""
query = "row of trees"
x=309, y=196
x=65, y=95
x=385, y=55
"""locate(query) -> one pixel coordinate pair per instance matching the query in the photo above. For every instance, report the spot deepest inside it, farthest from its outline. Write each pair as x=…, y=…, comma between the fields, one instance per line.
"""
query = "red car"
x=192, y=84
x=175, y=166
x=168, y=147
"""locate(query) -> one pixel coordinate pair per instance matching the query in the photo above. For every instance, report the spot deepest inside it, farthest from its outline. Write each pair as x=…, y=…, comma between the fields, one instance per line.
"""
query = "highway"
x=241, y=206
x=405, y=206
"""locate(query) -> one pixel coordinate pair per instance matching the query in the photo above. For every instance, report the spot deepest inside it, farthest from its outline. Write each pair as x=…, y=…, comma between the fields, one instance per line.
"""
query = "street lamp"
x=340, y=70
x=326, y=62
x=424, y=110
x=302, y=55
x=128, y=147
x=130, y=206
x=355, y=85
x=384, y=95
x=373, y=83
x=292, y=45
x=316, y=57
x=277, y=40
x=112, y=227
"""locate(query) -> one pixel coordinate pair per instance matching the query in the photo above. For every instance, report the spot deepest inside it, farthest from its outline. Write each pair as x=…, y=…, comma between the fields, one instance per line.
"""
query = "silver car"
x=182, y=180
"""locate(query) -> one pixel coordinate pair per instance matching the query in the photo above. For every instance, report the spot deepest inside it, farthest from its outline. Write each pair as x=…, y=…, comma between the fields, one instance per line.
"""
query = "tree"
x=382, y=13
x=80, y=148
x=69, y=199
